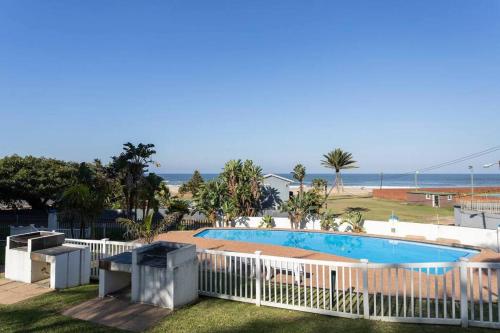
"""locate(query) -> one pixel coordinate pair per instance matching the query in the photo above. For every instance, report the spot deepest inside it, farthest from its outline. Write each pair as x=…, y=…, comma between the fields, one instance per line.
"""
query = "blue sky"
x=400, y=84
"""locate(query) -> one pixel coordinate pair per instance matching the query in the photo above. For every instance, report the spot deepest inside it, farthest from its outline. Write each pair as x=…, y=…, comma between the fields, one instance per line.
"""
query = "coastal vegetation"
x=304, y=206
x=235, y=192
x=267, y=222
x=299, y=173
x=193, y=185
x=81, y=191
x=146, y=230
x=338, y=160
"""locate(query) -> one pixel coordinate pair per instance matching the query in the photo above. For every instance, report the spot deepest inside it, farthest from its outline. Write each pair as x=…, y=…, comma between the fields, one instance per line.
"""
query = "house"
x=276, y=189
x=432, y=198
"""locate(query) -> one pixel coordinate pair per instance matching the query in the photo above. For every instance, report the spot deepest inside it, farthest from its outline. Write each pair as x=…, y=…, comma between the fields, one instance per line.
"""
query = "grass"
x=380, y=209
x=42, y=314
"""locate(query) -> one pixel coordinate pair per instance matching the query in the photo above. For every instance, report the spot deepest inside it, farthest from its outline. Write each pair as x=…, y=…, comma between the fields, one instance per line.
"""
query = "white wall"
x=280, y=222
x=468, y=236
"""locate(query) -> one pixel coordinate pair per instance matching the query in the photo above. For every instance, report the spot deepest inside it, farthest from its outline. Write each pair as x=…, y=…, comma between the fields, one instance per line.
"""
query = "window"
x=428, y=196
x=450, y=197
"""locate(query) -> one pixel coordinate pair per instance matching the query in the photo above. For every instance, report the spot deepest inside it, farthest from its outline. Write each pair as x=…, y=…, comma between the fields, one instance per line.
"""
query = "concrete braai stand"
x=163, y=274
x=36, y=256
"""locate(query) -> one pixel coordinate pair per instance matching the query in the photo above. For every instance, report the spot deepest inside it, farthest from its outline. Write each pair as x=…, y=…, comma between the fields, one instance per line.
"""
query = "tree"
x=299, y=173
x=235, y=192
x=193, y=185
x=243, y=185
x=301, y=207
x=321, y=185
x=229, y=211
x=338, y=160
x=147, y=193
x=84, y=201
x=130, y=167
x=39, y=181
x=209, y=199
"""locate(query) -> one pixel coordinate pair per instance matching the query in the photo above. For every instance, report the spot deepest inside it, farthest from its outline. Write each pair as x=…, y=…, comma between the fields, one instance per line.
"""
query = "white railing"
x=455, y=293
x=492, y=207
x=102, y=248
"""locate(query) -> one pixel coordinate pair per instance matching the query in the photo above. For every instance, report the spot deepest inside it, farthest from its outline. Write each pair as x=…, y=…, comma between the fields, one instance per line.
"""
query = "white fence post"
x=257, y=278
x=104, y=247
x=464, y=304
x=498, y=238
x=366, y=295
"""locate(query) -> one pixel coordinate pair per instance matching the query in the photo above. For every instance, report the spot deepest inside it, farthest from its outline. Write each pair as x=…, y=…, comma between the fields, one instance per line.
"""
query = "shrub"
x=355, y=221
x=267, y=222
x=327, y=221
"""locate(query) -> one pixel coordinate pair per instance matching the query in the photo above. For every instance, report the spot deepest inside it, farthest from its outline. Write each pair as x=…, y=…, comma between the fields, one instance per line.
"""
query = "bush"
x=355, y=221
x=267, y=222
x=327, y=221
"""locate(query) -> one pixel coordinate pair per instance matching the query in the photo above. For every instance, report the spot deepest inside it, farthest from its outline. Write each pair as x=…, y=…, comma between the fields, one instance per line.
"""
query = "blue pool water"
x=377, y=250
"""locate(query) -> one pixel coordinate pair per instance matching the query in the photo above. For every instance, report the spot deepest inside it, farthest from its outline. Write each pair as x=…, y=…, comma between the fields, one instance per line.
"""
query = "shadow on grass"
x=356, y=209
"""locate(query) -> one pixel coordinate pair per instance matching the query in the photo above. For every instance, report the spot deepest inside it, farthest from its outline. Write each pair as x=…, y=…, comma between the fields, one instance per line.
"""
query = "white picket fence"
x=456, y=293
x=102, y=248
x=481, y=205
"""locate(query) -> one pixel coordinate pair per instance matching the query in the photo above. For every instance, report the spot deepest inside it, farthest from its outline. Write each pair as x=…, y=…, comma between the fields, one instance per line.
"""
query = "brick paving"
x=118, y=313
x=12, y=292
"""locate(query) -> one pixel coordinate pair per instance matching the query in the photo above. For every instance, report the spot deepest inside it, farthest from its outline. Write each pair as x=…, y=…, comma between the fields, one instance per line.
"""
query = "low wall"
x=468, y=236
x=279, y=222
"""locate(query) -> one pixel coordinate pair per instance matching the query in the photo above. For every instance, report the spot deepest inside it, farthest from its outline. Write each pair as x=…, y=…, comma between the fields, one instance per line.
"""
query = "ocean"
x=373, y=179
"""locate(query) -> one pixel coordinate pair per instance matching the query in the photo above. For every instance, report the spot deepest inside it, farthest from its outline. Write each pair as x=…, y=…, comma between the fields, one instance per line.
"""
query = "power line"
x=461, y=159
x=452, y=162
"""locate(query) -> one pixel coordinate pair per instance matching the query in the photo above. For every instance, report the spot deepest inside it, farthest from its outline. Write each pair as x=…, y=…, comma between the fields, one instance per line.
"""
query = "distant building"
x=432, y=198
x=276, y=189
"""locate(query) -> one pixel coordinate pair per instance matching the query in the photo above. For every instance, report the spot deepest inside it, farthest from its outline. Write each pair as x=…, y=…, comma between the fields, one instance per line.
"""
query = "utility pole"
x=381, y=179
x=471, y=168
x=416, y=180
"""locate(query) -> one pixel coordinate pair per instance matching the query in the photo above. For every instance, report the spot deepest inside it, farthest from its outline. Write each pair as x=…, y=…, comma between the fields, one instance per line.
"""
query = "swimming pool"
x=375, y=249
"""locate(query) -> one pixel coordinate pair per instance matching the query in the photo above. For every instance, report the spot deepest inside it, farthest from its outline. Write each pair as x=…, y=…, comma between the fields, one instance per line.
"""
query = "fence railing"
x=102, y=248
x=455, y=293
x=113, y=230
x=481, y=205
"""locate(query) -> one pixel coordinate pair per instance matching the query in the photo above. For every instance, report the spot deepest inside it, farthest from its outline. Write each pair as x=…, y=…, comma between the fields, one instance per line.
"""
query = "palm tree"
x=130, y=166
x=299, y=173
x=338, y=160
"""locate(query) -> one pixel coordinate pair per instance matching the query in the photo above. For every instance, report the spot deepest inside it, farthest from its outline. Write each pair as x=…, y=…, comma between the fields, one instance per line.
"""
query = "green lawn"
x=41, y=314
x=379, y=209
